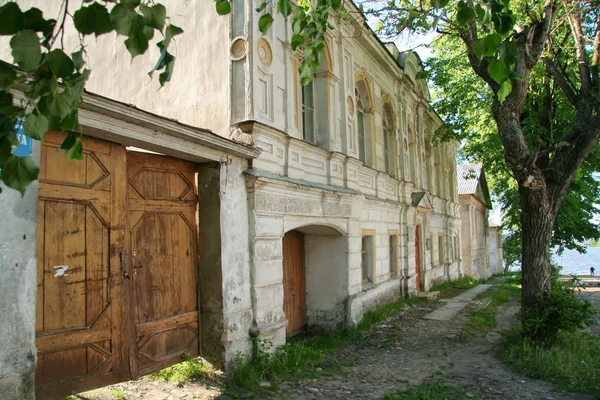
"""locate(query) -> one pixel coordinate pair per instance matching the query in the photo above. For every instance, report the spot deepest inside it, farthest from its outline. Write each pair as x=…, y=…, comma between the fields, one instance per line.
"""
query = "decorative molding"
x=265, y=54
x=239, y=48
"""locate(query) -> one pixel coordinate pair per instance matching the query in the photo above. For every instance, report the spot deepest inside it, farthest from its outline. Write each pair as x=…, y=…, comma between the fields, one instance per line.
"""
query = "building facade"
x=349, y=203
x=475, y=204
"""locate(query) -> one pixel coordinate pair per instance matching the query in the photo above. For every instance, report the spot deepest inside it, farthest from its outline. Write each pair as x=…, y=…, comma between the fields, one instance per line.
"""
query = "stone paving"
x=455, y=305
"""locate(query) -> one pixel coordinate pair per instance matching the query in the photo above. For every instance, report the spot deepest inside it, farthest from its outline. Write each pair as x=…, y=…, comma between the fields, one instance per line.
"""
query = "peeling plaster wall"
x=198, y=91
x=224, y=272
x=18, y=277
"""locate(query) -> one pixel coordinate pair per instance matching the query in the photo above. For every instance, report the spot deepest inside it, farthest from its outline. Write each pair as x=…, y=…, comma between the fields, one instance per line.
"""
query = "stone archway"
x=323, y=275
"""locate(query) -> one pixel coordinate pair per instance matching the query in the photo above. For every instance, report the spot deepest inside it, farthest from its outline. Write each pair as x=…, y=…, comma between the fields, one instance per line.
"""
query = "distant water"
x=577, y=263
x=574, y=262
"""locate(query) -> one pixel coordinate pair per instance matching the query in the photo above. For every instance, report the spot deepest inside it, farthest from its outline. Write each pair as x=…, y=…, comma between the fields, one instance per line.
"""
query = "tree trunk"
x=537, y=223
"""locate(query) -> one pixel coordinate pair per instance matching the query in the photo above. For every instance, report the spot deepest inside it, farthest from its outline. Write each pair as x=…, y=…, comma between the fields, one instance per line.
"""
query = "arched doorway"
x=315, y=277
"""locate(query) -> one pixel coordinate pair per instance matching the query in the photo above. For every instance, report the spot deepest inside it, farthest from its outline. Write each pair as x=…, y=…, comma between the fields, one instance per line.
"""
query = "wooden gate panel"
x=78, y=311
x=294, y=282
x=162, y=203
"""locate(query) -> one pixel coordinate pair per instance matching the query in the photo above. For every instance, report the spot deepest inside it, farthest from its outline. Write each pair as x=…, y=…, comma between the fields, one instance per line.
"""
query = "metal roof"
x=467, y=176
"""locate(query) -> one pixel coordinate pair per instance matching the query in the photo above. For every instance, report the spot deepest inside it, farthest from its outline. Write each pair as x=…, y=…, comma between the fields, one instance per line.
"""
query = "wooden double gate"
x=117, y=266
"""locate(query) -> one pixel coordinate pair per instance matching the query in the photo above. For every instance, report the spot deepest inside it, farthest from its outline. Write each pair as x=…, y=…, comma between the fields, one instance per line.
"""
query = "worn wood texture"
x=163, y=260
x=294, y=282
x=78, y=310
x=117, y=266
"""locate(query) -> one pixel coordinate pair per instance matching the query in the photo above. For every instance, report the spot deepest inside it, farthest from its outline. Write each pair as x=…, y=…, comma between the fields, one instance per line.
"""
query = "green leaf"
x=165, y=76
x=11, y=17
x=62, y=104
x=35, y=126
x=262, y=6
x=69, y=141
x=26, y=50
x=504, y=91
x=264, y=23
x=19, y=172
x=76, y=151
x=464, y=14
x=148, y=32
x=504, y=23
x=487, y=45
x=5, y=151
x=164, y=60
x=497, y=70
x=78, y=61
x=70, y=122
x=33, y=19
x=509, y=52
x=137, y=44
x=85, y=20
x=8, y=76
x=223, y=7
x=126, y=21
x=60, y=63
x=284, y=7
x=297, y=41
x=102, y=23
x=155, y=16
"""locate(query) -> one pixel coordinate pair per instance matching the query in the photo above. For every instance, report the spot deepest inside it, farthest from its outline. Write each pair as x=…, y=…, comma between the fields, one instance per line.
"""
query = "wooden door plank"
x=74, y=324
x=163, y=245
x=69, y=339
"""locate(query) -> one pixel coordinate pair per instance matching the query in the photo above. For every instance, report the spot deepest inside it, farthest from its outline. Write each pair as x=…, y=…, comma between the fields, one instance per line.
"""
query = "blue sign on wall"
x=25, y=146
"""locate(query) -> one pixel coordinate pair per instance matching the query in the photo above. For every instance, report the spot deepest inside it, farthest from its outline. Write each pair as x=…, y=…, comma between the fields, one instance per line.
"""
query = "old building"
x=349, y=203
x=496, y=251
x=475, y=204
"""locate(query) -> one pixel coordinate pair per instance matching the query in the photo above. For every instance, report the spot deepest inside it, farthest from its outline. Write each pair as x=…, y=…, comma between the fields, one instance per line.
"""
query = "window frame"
x=367, y=247
x=394, y=252
x=303, y=106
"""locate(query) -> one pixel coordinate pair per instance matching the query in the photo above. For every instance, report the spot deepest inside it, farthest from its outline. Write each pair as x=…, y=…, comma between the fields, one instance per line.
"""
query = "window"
x=367, y=257
x=441, y=248
x=308, y=113
x=364, y=117
x=389, y=137
x=313, y=111
x=393, y=254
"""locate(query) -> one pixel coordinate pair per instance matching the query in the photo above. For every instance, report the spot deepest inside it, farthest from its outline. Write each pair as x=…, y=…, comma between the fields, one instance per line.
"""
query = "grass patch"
x=572, y=363
x=449, y=288
x=431, y=390
x=118, y=394
x=300, y=357
x=186, y=371
x=484, y=319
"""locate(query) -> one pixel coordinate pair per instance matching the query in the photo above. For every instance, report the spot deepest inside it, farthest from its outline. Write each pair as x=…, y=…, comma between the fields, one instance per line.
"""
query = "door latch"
x=121, y=264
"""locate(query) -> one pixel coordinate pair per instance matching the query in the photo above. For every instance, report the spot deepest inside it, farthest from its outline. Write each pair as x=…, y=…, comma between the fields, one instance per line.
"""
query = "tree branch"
x=562, y=82
x=574, y=18
x=539, y=36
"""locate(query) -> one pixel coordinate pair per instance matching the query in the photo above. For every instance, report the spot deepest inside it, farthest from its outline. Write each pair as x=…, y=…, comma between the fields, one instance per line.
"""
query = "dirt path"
x=402, y=351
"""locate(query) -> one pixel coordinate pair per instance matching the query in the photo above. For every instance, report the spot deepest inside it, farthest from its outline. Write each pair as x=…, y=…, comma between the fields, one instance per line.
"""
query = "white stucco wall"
x=198, y=91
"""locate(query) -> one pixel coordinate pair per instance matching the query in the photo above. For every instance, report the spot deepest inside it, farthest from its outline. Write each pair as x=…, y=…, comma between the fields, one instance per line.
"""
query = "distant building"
x=474, y=200
x=496, y=252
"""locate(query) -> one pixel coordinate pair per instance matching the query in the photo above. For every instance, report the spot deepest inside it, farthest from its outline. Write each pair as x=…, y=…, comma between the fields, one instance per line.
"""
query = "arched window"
x=314, y=105
x=308, y=112
x=364, y=109
x=389, y=137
